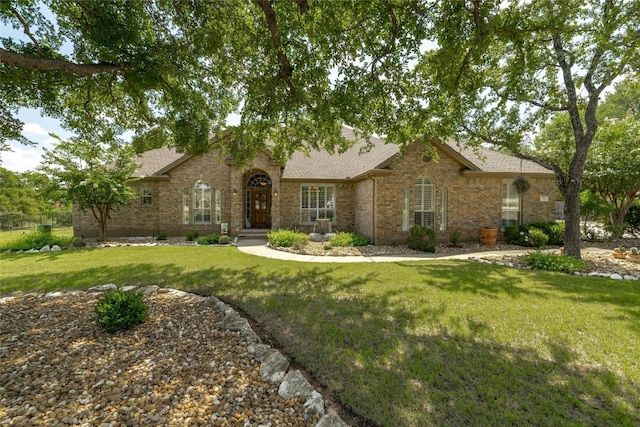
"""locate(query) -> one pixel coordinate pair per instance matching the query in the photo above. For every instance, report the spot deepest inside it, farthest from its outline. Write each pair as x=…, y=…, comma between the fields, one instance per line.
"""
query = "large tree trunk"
x=572, y=220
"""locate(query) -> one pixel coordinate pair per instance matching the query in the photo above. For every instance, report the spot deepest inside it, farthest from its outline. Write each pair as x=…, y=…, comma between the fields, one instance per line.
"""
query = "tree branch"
x=26, y=29
x=14, y=59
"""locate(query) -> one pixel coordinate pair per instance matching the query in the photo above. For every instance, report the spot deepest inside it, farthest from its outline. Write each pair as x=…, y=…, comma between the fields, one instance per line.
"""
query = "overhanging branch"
x=15, y=59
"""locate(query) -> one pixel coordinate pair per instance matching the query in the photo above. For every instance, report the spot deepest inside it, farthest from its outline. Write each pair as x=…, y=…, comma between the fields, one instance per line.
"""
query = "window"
x=442, y=221
x=406, y=209
x=510, y=204
x=218, y=217
x=424, y=202
x=146, y=196
x=317, y=201
x=201, y=203
x=186, y=215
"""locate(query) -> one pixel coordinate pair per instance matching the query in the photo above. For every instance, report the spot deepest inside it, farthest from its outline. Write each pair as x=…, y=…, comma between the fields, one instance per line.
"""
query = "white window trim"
x=204, y=201
x=319, y=210
x=419, y=189
x=146, y=193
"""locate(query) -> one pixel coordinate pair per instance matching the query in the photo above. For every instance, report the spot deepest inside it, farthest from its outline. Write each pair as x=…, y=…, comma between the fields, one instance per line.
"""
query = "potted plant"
x=488, y=236
x=633, y=255
x=620, y=252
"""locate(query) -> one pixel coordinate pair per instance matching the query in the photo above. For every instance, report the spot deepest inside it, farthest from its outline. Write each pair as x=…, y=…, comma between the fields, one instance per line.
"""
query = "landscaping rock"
x=55, y=248
x=313, y=406
x=46, y=248
x=295, y=384
x=331, y=420
x=103, y=288
x=273, y=367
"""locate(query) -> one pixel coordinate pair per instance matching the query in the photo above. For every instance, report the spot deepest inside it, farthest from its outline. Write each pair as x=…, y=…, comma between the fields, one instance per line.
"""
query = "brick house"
x=381, y=193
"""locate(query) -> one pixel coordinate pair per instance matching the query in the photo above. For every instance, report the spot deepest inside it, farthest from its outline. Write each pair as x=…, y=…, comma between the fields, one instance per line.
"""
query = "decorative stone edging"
x=614, y=276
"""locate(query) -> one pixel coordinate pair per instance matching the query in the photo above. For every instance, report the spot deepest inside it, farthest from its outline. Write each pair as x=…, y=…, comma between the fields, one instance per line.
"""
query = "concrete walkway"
x=259, y=247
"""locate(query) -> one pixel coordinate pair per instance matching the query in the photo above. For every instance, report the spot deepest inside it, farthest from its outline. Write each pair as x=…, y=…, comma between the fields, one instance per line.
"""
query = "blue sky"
x=36, y=128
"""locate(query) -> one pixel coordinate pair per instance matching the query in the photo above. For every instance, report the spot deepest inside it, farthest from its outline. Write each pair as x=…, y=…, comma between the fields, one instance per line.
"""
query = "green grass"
x=7, y=236
x=407, y=344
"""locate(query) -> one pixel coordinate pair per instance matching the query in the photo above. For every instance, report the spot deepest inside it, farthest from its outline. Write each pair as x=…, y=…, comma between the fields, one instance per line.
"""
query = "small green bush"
x=520, y=234
x=35, y=240
x=192, y=235
x=211, y=239
x=287, y=238
x=551, y=262
x=556, y=234
x=537, y=238
x=162, y=236
x=422, y=239
x=454, y=238
x=224, y=240
x=120, y=310
x=349, y=239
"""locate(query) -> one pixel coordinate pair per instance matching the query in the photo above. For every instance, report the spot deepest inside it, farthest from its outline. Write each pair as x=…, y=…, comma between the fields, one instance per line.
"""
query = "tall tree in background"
x=93, y=175
x=502, y=70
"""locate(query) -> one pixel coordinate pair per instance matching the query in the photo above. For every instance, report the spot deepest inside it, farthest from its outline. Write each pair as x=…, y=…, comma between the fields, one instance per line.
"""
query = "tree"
x=505, y=68
x=94, y=176
x=613, y=167
x=172, y=71
x=19, y=202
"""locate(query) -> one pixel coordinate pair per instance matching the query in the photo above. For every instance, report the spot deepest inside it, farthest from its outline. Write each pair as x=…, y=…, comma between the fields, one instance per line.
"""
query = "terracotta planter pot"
x=488, y=236
x=619, y=255
x=633, y=258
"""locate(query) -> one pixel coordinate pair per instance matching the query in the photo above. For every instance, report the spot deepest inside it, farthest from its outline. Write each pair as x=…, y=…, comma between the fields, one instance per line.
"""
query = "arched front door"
x=259, y=201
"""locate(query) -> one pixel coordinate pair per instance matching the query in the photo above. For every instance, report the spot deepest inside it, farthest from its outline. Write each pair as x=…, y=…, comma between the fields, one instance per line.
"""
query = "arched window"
x=201, y=203
x=424, y=202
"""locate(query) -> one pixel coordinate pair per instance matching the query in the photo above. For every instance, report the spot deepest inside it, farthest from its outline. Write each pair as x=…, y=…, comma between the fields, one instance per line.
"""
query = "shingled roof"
x=354, y=162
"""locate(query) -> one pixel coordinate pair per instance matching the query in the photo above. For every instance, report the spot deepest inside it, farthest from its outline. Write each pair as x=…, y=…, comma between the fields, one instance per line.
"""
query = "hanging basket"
x=522, y=184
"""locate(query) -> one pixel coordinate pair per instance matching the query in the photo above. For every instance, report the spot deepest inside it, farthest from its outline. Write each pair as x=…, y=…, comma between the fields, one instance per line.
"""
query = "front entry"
x=260, y=207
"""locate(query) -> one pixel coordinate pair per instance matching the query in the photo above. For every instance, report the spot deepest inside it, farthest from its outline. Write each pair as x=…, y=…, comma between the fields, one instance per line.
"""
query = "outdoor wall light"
x=234, y=192
x=275, y=192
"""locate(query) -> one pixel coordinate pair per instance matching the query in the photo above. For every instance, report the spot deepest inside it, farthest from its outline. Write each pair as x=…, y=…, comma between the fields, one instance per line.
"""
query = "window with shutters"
x=424, y=199
x=510, y=204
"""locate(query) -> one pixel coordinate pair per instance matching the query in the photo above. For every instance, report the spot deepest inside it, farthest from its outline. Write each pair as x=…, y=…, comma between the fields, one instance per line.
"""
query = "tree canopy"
x=173, y=71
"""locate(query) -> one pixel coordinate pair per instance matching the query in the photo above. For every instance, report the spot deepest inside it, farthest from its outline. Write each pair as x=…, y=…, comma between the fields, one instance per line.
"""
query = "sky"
x=36, y=128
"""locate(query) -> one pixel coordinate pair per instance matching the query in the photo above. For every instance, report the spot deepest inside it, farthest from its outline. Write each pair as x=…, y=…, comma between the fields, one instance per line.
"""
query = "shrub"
x=211, y=239
x=422, y=238
x=520, y=234
x=454, y=238
x=287, y=238
x=35, y=240
x=556, y=234
x=192, y=235
x=162, y=236
x=552, y=262
x=224, y=240
x=120, y=310
x=349, y=239
x=632, y=219
x=537, y=238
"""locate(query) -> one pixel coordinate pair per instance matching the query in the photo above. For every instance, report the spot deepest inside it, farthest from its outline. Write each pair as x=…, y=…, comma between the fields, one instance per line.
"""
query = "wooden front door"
x=260, y=208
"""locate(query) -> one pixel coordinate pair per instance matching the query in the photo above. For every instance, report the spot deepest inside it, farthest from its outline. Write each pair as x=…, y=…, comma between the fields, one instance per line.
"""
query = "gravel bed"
x=58, y=368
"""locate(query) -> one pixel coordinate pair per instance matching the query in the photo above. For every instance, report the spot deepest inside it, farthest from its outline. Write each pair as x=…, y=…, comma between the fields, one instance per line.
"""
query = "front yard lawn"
x=406, y=344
